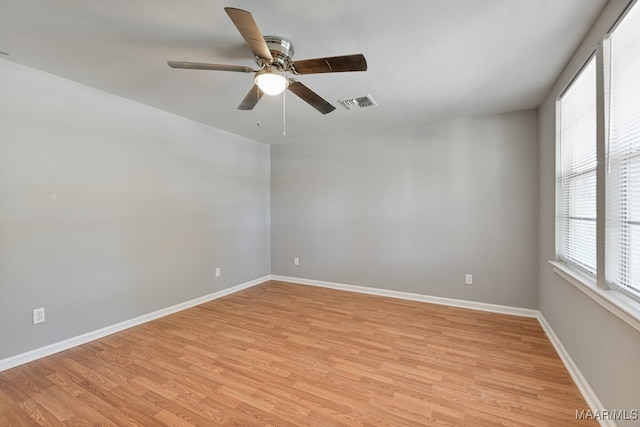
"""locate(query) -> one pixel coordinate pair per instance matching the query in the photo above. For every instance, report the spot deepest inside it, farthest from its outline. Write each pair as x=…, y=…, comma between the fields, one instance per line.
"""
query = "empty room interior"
x=434, y=220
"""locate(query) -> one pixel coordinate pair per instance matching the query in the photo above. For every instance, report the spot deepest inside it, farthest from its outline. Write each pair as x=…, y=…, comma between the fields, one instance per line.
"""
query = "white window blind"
x=577, y=180
x=623, y=161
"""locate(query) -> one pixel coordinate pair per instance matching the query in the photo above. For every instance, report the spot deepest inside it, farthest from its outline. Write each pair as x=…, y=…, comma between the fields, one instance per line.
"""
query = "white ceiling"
x=428, y=59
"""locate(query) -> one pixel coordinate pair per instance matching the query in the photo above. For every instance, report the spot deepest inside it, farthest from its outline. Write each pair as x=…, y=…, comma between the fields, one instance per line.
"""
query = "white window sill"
x=617, y=303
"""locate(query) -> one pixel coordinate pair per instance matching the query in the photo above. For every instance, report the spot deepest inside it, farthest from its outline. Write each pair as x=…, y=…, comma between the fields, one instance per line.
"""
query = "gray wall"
x=605, y=349
x=414, y=209
x=147, y=204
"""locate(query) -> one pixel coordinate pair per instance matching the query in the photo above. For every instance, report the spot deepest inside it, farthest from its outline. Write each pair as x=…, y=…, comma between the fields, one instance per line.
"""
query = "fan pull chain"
x=284, y=114
x=258, y=103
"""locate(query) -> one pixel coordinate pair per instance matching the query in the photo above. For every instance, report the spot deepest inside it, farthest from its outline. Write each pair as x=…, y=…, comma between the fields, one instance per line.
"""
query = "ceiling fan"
x=274, y=58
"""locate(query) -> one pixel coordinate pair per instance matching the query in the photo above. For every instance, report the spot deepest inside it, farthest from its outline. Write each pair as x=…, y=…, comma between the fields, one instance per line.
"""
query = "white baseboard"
x=38, y=353
x=581, y=382
x=493, y=308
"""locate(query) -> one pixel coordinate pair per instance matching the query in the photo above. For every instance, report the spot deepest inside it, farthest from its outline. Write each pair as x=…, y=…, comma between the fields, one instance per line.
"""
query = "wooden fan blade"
x=252, y=98
x=214, y=67
x=310, y=97
x=249, y=30
x=334, y=64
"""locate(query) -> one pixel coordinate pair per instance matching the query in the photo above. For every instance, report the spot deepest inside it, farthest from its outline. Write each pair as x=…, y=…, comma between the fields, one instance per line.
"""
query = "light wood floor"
x=290, y=355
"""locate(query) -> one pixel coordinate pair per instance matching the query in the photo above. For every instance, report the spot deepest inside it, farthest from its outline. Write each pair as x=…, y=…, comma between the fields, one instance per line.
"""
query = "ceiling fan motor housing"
x=281, y=50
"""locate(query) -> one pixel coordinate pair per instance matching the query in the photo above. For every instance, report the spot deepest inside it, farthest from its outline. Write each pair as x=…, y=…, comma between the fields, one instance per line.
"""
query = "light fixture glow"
x=270, y=82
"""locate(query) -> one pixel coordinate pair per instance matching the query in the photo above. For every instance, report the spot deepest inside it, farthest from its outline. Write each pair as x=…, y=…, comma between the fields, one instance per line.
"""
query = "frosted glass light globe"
x=271, y=83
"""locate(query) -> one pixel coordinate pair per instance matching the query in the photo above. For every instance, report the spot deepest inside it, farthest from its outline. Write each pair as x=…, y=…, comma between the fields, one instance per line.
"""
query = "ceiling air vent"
x=357, y=103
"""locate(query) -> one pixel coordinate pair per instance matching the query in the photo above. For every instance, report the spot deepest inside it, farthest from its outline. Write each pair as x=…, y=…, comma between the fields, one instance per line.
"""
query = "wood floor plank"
x=282, y=354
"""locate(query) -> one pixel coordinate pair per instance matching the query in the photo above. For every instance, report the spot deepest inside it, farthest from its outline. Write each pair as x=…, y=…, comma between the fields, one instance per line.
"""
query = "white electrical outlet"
x=38, y=315
x=296, y=261
x=217, y=271
x=468, y=279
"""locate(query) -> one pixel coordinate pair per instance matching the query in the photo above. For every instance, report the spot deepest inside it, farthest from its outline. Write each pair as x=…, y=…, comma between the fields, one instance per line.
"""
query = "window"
x=622, y=228
x=598, y=179
x=577, y=177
